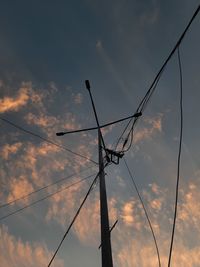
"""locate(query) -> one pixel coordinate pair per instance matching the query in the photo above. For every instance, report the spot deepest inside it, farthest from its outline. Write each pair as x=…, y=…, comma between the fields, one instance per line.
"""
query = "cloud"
x=151, y=126
x=24, y=95
x=155, y=122
x=36, y=162
x=135, y=247
x=8, y=150
x=1, y=83
x=189, y=208
x=35, y=165
x=140, y=252
x=127, y=213
x=29, y=168
x=14, y=103
x=19, y=186
x=150, y=16
x=87, y=225
x=77, y=98
x=41, y=120
x=99, y=45
x=156, y=204
x=14, y=252
x=147, y=129
x=137, y=253
x=63, y=206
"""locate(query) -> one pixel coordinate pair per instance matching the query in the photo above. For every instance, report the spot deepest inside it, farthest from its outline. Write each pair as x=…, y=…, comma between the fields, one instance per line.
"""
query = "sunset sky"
x=47, y=50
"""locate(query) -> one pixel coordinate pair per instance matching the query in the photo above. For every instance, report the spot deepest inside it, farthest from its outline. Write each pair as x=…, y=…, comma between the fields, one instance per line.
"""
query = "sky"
x=48, y=49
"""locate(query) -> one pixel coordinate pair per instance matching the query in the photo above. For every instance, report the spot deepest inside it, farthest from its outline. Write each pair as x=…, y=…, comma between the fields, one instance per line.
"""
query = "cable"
x=148, y=97
x=129, y=134
x=179, y=157
x=48, y=196
x=141, y=107
x=145, y=211
x=139, y=110
x=121, y=136
x=153, y=86
x=172, y=53
x=47, y=140
x=74, y=219
x=42, y=188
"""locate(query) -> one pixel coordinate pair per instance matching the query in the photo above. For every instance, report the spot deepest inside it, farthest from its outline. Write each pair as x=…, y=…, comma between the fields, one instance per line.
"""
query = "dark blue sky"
x=47, y=50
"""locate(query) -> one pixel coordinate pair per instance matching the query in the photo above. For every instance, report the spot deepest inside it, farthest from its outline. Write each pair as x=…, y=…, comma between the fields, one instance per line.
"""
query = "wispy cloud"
x=148, y=129
x=15, y=252
x=37, y=164
x=77, y=98
x=14, y=103
x=41, y=120
x=150, y=16
x=8, y=150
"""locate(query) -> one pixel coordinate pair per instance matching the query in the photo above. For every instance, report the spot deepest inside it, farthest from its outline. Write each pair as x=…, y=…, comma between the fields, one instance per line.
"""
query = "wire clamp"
x=115, y=156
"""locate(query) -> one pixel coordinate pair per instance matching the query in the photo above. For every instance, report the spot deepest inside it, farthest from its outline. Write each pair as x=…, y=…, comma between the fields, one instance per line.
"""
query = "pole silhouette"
x=106, y=250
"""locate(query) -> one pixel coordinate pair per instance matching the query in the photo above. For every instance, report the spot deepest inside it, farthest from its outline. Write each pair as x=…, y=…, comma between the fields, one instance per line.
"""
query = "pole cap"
x=87, y=84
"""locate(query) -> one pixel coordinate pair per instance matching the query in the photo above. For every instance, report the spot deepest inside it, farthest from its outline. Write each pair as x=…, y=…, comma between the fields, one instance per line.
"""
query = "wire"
x=179, y=158
x=47, y=140
x=149, y=95
x=171, y=54
x=153, y=85
x=141, y=107
x=127, y=138
x=74, y=219
x=140, y=110
x=44, y=198
x=41, y=188
x=145, y=211
x=123, y=132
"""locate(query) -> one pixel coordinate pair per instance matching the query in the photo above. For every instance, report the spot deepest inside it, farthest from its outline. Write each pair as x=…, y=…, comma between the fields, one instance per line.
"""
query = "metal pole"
x=106, y=251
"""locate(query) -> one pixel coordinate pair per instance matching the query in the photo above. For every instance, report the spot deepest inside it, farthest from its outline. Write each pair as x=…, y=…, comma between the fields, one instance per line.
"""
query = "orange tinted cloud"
x=14, y=103
x=64, y=205
x=8, y=150
x=141, y=252
x=14, y=252
x=153, y=126
x=41, y=120
x=189, y=208
x=19, y=187
x=87, y=225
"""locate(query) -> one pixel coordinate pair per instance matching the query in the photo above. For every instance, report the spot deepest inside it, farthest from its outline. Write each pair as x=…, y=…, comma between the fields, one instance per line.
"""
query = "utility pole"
x=106, y=250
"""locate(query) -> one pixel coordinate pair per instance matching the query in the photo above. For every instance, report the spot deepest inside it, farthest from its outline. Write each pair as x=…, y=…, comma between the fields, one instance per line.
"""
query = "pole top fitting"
x=87, y=84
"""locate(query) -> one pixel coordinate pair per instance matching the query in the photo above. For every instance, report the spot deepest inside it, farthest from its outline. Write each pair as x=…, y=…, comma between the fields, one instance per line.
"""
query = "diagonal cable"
x=145, y=211
x=44, y=198
x=75, y=217
x=46, y=140
x=150, y=91
x=41, y=188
